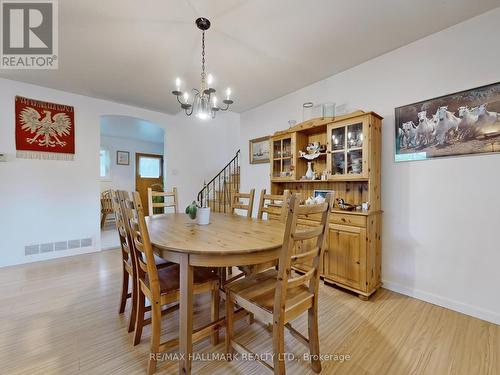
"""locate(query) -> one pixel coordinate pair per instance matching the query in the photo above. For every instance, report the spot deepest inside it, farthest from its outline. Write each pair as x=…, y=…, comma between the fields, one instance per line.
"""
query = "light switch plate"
x=3, y=157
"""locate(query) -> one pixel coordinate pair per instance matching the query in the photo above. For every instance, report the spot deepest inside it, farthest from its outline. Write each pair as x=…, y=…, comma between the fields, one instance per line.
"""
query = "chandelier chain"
x=203, y=58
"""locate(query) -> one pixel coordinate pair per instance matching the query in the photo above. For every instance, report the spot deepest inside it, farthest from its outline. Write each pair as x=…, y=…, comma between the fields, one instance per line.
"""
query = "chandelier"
x=204, y=102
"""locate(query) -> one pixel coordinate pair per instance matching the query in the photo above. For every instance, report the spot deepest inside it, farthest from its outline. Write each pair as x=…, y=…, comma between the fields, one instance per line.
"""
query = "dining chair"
x=275, y=208
x=273, y=205
x=165, y=195
x=161, y=286
x=275, y=298
x=237, y=204
x=128, y=257
x=128, y=262
x=106, y=206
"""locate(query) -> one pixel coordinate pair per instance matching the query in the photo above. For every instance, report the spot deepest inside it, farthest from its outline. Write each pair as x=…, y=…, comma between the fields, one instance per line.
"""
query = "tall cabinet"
x=349, y=163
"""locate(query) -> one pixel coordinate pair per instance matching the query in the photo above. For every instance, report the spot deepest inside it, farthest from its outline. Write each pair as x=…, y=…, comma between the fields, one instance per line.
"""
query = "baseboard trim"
x=487, y=315
x=51, y=256
x=105, y=248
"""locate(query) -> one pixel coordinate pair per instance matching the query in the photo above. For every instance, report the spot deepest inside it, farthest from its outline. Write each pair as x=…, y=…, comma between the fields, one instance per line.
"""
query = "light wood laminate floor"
x=60, y=317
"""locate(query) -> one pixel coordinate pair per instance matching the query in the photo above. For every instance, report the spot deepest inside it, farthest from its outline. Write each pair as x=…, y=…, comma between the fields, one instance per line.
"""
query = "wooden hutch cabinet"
x=350, y=166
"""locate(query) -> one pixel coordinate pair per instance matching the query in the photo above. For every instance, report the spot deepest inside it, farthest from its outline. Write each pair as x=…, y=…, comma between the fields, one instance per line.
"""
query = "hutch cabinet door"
x=345, y=259
x=283, y=157
x=347, y=143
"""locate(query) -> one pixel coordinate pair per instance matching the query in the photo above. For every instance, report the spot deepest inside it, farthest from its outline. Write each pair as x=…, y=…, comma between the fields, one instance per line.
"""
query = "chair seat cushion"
x=259, y=290
x=169, y=277
x=160, y=262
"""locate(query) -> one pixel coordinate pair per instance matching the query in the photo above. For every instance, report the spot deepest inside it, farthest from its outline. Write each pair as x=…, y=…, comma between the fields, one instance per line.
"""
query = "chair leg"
x=215, y=312
x=133, y=310
x=123, y=300
x=279, y=347
x=222, y=276
x=229, y=324
x=103, y=219
x=312, y=317
x=250, y=319
x=155, y=336
x=139, y=318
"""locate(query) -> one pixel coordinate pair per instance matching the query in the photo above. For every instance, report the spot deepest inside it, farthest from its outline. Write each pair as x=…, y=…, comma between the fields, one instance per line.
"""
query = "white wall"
x=47, y=201
x=122, y=177
x=441, y=223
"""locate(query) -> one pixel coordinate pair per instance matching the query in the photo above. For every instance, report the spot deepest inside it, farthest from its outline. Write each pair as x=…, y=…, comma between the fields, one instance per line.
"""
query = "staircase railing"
x=217, y=193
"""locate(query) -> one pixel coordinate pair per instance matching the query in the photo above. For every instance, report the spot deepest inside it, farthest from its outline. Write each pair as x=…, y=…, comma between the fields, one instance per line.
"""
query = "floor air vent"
x=57, y=246
x=46, y=247
x=31, y=250
x=63, y=245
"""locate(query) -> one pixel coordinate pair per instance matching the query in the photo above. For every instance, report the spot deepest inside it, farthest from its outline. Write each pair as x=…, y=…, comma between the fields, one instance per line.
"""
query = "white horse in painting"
x=409, y=134
x=469, y=116
x=425, y=129
x=447, y=121
x=487, y=122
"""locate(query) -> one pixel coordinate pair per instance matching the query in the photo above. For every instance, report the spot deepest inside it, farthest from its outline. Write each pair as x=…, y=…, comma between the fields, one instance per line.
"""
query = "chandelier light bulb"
x=228, y=93
x=178, y=84
x=214, y=102
x=202, y=116
x=186, y=97
x=210, y=80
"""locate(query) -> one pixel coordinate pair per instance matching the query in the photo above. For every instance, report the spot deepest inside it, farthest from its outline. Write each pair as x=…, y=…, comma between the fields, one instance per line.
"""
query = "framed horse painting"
x=463, y=123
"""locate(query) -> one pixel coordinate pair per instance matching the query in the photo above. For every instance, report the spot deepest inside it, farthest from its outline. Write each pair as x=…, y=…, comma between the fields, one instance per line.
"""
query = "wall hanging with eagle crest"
x=44, y=130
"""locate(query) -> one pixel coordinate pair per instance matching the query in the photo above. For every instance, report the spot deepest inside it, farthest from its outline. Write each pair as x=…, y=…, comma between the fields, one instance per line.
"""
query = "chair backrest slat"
x=120, y=225
x=106, y=201
x=299, y=280
x=311, y=209
x=236, y=203
x=273, y=205
x=294, y=236
x=307, y=234
x=166, y=195
x=299, y=258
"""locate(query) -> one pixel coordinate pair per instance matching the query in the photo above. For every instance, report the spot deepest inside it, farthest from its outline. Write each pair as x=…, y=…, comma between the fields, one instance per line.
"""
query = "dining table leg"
x=185, y=315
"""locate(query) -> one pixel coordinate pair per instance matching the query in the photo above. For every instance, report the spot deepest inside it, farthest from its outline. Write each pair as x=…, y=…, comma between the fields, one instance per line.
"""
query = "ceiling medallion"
x=204, y=102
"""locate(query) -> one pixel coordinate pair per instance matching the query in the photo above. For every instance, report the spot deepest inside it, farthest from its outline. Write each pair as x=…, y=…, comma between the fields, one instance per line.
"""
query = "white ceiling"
x=131, y=128
x=130, y=51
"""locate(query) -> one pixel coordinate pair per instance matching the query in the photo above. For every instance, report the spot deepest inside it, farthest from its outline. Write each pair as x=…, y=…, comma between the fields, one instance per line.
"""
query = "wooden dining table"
x=229, y=240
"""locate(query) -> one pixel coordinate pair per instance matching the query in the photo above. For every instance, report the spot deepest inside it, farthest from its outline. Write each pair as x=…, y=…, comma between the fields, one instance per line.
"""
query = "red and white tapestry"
x=44, y=130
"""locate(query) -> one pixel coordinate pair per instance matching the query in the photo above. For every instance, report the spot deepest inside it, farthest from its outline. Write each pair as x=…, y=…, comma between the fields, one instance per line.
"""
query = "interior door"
x=148, y=173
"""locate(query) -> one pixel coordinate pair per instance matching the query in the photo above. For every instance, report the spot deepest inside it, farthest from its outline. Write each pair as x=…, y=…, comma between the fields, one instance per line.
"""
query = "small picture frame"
x=259, y=150
x=122, y=157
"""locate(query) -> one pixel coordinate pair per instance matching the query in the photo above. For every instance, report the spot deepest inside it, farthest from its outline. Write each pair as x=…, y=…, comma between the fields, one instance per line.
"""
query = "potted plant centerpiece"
x=197, y=211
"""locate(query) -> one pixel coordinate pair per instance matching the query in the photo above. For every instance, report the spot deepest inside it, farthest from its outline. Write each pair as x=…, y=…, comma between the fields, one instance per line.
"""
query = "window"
x=149, y=167
x=105, y=162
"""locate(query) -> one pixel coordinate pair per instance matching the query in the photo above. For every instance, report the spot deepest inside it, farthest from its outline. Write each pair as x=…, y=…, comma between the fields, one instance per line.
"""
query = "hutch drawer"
x=346, y=219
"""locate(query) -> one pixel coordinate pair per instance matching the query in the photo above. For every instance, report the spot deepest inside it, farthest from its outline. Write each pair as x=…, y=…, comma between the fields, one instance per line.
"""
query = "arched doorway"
x=131, y=159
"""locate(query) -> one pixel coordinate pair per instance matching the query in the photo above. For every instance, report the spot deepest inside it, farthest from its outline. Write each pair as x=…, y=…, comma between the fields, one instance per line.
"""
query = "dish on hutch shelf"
x=341, y=203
